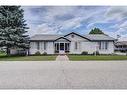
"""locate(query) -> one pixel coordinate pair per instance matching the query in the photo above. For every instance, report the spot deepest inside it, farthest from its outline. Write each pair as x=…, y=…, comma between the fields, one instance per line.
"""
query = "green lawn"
x=92, y=57
x=28, y=58
x=2, y=54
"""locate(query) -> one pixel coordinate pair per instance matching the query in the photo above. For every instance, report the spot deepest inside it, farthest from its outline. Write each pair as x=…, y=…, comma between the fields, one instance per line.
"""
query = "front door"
x=62, y=48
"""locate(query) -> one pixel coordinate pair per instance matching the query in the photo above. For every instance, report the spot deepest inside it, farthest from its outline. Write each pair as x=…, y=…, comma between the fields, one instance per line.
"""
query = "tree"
x=13, y=28
x=96, y=31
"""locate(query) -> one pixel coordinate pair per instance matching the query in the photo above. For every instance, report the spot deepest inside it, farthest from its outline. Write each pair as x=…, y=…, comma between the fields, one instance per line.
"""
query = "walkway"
x=62, y=58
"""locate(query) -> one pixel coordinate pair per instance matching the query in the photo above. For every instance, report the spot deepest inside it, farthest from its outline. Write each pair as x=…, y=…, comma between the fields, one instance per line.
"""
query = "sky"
x=112, y=20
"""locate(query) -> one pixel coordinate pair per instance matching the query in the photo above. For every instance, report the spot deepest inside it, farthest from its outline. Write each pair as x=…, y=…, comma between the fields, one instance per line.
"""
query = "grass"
x=101, y=57
x=28, y=58
x=2, y=54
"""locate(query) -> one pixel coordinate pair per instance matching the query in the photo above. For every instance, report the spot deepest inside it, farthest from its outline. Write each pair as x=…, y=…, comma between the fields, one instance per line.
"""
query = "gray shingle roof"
x=91, y=37
x=121, y=43
x=98, y=37
x=45, y=37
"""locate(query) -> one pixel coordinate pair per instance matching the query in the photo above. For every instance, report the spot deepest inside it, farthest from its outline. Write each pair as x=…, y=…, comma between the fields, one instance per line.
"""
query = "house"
x=71, y=43
x=121, y=46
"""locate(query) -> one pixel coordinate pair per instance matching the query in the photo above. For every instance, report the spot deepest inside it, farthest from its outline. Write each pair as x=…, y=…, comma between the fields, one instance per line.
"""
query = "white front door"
x=62, y=48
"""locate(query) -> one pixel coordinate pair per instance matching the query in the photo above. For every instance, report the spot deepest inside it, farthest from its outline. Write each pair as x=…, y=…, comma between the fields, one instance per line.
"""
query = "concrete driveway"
x=63, y=75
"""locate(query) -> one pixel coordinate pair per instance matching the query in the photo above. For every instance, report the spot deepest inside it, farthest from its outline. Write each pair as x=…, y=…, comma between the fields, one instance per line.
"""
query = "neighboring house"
x=71, y=43
x=121, y=46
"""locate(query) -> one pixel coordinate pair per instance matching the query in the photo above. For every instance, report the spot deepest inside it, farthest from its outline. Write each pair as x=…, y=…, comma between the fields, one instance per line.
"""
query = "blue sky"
x=112, y=20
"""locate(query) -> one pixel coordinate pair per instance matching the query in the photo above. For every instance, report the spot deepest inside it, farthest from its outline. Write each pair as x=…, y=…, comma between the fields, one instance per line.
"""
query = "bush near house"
x=96, y=53
x=37, y=53
x=45, y=53
x=84, y=53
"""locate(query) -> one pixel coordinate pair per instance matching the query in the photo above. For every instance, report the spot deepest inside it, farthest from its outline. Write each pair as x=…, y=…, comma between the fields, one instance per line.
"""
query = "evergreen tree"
x=96, y=31
x=13, y=28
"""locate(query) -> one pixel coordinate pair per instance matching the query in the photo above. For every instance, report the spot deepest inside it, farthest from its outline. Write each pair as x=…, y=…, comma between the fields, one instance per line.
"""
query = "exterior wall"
x=91, y=47
x=73, y=50
x=49, y=48
x=82, y=45
x=79, y=41
x=110, y=49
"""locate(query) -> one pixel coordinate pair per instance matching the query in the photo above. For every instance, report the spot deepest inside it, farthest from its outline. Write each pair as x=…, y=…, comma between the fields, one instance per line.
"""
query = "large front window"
x=103, y=45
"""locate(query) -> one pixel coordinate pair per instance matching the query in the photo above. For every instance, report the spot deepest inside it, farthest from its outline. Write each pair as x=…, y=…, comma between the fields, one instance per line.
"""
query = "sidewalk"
x=62, y=58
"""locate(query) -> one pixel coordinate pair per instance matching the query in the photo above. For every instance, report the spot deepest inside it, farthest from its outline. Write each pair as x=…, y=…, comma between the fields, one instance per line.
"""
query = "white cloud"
x=124, y=38
x=46, y=29
x=72, y=23
x=50, y=16
x=116, y=13
x=123, y=25
x=53, y=19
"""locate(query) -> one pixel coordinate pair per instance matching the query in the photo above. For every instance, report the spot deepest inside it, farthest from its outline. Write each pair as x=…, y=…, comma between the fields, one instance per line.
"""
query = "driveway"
x=63, y=75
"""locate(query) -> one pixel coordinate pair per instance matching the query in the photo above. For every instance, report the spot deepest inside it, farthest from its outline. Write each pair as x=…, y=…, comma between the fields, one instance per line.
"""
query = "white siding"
x=79, y=41
x=91, y=47
x=110, y=49
x=49, y=48
x=82, y=45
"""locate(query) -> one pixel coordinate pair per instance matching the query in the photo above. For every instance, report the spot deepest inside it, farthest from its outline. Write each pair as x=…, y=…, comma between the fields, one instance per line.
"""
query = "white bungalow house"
x=71, y=43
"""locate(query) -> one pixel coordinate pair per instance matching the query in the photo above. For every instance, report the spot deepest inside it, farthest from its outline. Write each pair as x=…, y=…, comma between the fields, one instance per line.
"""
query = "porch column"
x=68, y=46
x=64, y=46
x=59, y=46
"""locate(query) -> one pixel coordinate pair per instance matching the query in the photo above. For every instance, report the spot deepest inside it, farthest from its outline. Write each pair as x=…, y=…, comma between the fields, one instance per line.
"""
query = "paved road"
x=63, y=75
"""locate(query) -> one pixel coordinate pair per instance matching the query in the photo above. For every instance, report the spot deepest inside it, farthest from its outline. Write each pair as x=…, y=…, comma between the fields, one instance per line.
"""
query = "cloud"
x=123, y=25
x=45, y=28
x=116, y=13
x=62, y=19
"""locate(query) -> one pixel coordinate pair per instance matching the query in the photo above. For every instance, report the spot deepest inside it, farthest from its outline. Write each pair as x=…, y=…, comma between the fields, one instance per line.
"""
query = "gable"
x=62, y=39
x=75, y=37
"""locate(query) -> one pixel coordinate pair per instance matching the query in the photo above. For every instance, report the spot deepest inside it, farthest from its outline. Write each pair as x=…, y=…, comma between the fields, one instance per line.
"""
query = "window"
x=76, y=45
x=99, y=45
x=45, y=45
x=72, y=36
x=106, y=45
x=103, y=45
x=38, y=45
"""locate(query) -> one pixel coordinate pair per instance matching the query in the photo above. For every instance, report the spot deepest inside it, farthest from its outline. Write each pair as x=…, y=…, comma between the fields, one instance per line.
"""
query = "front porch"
x=62, y=47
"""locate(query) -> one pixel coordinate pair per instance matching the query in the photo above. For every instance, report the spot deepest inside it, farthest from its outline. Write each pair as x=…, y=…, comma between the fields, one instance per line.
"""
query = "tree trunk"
x=8, y=51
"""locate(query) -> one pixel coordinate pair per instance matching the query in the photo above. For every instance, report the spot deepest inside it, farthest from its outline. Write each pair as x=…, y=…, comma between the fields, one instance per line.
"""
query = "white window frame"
x=103, y=45
x=76, y=45
x=38, y=45
x=45, y=45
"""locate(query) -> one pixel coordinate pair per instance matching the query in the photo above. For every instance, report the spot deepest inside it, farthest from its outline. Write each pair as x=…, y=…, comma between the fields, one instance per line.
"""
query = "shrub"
x=45, y=53
x=37, y=53
x=96, y=52
x=84, y=53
